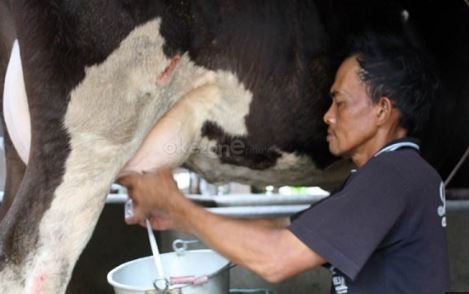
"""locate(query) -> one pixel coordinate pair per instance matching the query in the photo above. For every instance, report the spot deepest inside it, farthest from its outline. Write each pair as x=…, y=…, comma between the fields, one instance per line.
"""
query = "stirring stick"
x=154, y=250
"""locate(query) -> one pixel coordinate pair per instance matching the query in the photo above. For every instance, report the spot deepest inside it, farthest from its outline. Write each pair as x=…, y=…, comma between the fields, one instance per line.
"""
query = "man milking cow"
x=383, y=231
x=109, y=84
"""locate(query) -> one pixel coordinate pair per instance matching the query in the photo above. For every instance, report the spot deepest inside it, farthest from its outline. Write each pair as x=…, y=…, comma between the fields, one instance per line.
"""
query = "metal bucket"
x=138, y=276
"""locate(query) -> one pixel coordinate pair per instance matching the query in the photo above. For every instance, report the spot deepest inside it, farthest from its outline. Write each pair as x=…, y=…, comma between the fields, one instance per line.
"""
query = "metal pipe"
x=457, y=194
x=457, y=205
x=277, y=209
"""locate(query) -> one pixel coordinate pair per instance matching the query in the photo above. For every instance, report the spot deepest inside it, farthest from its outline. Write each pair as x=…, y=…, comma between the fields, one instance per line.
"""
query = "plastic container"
x=137, y=276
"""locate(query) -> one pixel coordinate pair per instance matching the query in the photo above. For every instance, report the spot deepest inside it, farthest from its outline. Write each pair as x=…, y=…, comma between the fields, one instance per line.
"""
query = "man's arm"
x=272, y=252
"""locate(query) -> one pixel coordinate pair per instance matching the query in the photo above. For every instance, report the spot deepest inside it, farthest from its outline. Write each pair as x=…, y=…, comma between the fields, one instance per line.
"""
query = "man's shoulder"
x=389, y=164
x=407, y=168
x=410, y=163
x=404, y=168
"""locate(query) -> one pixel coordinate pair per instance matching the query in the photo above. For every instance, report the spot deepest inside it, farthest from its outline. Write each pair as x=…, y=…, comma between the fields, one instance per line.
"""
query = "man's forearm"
x=259, y=245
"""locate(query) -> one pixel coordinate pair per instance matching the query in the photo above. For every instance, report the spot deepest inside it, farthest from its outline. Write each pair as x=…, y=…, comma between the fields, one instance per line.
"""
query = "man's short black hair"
x=393, y=67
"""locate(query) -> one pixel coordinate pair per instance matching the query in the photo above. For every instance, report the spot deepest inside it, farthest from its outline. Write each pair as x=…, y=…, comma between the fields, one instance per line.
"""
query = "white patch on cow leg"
x=15, y=105
x=67, y=226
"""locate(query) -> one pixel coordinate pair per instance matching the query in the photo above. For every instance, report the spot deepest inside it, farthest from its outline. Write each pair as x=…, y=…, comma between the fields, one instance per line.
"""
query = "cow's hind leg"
x=85, y=125
x=74, y=159
x=56, y=209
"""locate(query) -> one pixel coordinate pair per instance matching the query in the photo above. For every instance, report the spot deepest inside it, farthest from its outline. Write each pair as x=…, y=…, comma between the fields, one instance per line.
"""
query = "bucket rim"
x=115, y=284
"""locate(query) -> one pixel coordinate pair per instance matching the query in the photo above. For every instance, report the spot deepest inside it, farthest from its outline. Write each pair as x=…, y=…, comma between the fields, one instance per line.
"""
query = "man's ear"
x=384, y=109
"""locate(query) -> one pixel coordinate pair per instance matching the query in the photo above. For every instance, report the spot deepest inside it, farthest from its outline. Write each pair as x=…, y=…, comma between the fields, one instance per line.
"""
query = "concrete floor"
x=114, y=243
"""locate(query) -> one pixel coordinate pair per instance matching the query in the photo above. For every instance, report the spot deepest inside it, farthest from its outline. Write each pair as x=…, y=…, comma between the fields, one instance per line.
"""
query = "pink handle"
x=200, y=280
x=182, y=280
x=189, y=280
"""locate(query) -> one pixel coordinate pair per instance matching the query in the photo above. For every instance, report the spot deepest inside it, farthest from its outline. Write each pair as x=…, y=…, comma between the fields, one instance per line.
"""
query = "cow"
x=232, y=89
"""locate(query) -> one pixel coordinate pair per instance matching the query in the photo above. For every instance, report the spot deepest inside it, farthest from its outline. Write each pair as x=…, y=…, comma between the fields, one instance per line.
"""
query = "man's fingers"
x=158, y=224
x=168, y=172
x=129, y=180
x=125, y=181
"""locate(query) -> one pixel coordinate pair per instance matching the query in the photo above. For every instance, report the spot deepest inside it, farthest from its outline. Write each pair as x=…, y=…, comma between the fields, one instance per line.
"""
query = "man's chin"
x=338, y=152
x=334, y=150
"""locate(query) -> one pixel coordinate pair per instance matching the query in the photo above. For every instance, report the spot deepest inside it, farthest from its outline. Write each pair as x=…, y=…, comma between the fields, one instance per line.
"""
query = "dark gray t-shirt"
x=384, y=231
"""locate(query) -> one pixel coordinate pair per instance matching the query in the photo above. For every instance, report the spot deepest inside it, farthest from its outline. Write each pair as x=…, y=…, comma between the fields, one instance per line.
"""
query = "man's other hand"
x=154, y=195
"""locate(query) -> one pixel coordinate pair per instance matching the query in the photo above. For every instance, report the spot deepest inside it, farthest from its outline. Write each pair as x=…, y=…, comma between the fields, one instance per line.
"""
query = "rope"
x=461, y=161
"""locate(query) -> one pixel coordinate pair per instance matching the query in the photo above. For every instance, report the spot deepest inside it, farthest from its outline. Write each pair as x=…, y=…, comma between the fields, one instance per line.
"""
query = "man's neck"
x=360, y=157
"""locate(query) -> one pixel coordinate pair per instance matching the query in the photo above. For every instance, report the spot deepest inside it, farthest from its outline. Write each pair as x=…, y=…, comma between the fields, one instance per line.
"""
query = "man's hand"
x=154, y=195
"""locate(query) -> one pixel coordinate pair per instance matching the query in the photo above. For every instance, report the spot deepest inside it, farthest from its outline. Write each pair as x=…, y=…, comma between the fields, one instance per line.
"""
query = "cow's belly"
x=290, y=169
x=201, y=95
x=174, y=141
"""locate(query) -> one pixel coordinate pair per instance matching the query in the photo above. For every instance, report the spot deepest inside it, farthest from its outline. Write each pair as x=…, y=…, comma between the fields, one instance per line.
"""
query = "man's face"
x=352, y=115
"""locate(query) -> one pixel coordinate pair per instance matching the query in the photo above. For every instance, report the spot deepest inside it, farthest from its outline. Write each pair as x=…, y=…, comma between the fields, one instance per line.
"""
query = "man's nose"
x=328, y=117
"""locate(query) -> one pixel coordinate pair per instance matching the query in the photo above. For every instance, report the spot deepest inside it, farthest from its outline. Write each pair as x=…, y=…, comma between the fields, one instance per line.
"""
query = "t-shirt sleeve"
x=346, y=228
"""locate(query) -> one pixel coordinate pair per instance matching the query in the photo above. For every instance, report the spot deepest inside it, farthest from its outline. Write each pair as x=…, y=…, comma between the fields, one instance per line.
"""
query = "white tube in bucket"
x=157, y=259
x=161, y=282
